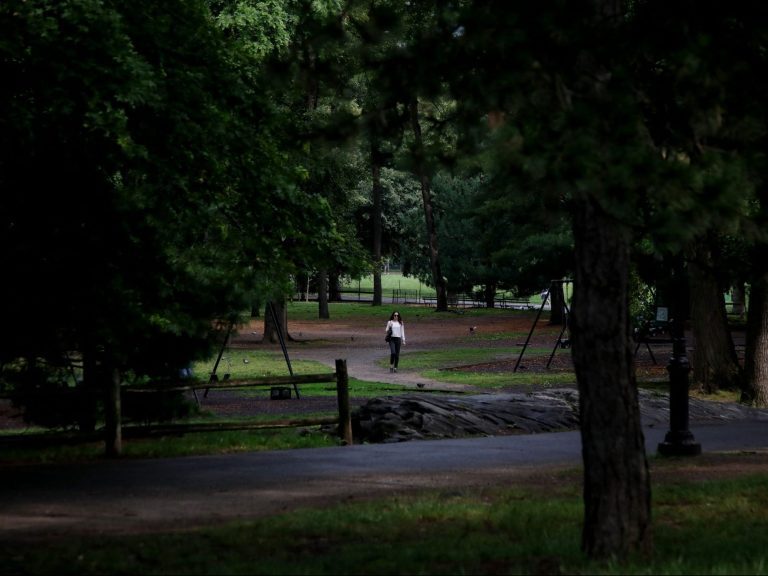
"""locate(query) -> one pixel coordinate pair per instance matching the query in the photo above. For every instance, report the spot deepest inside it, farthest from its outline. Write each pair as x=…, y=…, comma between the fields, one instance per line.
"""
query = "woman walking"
x=396, y=338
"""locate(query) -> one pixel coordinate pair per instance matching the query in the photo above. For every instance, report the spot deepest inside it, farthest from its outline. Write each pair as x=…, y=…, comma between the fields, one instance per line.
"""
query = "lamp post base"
x=679, y=444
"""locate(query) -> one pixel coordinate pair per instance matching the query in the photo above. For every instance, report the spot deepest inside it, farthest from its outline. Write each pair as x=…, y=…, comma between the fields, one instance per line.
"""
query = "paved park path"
x=129, y=496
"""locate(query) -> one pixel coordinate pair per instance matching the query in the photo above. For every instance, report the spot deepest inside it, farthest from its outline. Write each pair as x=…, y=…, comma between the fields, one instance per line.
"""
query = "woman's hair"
x=400, y=318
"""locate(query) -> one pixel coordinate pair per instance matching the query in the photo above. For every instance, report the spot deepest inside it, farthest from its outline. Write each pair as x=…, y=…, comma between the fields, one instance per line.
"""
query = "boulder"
x=430, y=416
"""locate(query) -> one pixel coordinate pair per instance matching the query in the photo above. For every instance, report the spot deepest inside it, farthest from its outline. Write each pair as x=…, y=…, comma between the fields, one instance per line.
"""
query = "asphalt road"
x=143, y=495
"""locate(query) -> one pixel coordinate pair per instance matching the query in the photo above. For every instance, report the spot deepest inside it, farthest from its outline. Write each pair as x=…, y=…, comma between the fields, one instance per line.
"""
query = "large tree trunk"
x=755, y=389
x=270, y=327
x=334, y=288
x=376, y=219
x=556, y=304
x=312, y=87
x=113, y=425
x=434, y=259
x=490, y=294
x=617, y=494
x=90, y=386
x=715, y=364
x=101, y=381
x=322, y=295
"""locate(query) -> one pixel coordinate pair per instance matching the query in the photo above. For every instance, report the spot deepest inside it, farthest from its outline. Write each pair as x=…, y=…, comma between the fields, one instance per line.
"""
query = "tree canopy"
x=147, y=191
x=165, y=164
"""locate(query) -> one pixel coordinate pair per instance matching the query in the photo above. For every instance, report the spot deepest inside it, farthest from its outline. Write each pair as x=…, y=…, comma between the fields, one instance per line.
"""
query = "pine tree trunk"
x=113, y=416
x=715, y=364
x=91, y=385
x=617, y=493
x=755, y=389
x=376, y=219
x=557, y=304
x=426, y=194
x=490, y=295
x=334, y=288
x=617, y=518
x=322, y=295
x=270, y=327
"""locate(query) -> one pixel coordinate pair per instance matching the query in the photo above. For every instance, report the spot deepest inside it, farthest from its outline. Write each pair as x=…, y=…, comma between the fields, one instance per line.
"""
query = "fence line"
x=120, y=430
x=404, y=296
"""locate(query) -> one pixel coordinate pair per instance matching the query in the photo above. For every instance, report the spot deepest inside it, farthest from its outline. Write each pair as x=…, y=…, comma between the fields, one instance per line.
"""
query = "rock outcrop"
x=431, y=416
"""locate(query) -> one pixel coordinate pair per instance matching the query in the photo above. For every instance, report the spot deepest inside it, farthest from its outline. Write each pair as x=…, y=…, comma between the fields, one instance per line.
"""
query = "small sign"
x=279, y=393
x=662, y=314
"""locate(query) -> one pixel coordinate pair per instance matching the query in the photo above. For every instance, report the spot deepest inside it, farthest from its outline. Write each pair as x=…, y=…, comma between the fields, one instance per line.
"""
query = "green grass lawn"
x=243, y=364
x=701, y=527
x=392, y=281
x=396, y=281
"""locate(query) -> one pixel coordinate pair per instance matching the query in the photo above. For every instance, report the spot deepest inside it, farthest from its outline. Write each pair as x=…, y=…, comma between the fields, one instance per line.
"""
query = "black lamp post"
x=679, y=441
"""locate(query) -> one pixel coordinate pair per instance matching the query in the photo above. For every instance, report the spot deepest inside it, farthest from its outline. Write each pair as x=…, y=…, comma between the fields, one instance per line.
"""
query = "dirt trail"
x=184, y=493
x=366, y=353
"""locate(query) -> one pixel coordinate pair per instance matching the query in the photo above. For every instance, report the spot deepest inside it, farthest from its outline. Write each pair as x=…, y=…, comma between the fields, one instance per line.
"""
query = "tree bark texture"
x=334, y=288
x=426, y=194
x=322, y=295
x=113, y=416
x=617, y=494
x=270, y=328
x=715, y=364
x=91, y=385
x=376, y=220
x=755, y=389
x=489, y=294
x=556, y=304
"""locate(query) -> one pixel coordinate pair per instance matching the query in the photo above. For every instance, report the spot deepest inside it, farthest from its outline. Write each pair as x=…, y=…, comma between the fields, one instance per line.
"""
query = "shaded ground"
x=413, y=415
x=363, y=348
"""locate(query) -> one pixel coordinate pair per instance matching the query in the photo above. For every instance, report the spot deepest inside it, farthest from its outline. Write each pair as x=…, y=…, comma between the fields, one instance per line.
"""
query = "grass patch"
x=437, y=365
x=484, y=380
x=177, y=445
x=244, y=364
x=229, y=442
x=712, y=527
x=360, y=311
x=395, y=280
x=449, y=358
x=199, y=443
x=730, y=396
x=517, y=337
x=390, y=281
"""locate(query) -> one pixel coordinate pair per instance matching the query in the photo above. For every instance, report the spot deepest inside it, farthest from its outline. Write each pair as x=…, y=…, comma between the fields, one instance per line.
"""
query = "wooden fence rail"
x=232, y=384
x=114, y=436
x=114, y=430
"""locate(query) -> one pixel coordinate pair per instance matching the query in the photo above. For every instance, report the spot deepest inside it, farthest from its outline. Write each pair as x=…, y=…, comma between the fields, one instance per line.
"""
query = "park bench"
x=518, y=303
x=652, y=333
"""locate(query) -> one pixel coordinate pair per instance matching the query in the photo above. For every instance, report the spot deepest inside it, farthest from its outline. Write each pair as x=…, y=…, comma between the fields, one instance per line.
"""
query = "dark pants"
x=394, y=351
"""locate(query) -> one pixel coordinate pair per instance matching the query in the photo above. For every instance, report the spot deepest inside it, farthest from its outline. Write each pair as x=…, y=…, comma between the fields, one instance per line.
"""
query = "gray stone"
x=417, y=416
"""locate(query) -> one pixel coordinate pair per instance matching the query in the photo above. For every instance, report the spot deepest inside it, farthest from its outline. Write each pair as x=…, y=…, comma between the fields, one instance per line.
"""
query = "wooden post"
x=342, y=391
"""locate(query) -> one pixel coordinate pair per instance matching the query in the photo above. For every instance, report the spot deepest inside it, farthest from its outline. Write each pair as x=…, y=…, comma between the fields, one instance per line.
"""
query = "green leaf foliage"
x=146, y=185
